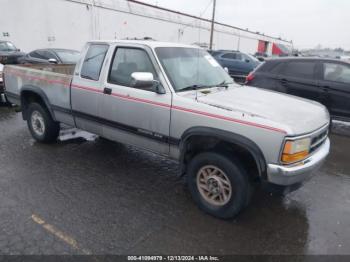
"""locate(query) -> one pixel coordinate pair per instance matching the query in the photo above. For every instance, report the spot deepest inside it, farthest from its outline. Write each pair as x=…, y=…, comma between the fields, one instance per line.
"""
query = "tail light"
x=250, y=77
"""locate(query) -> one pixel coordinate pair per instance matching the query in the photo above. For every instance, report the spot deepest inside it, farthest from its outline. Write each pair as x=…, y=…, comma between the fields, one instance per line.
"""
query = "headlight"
x=296, y=150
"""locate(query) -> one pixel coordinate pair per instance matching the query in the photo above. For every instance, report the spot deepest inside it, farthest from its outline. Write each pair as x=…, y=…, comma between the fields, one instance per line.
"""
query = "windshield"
x=68, y=56
x=7, y=46
x=188, y=67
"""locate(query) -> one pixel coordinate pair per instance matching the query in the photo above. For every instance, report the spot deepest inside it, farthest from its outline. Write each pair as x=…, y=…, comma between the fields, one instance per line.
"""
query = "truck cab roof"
x=151, y=44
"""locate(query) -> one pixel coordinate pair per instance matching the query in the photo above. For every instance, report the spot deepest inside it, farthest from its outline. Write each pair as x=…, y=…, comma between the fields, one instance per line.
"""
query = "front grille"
x=318, y=139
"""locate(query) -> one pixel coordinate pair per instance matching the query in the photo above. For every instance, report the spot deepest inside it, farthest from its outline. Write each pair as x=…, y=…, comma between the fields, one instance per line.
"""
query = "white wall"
x=36, y=24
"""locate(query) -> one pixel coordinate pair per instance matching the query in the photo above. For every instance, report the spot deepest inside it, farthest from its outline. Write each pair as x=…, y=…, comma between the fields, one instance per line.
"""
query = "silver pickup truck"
x=177, y=101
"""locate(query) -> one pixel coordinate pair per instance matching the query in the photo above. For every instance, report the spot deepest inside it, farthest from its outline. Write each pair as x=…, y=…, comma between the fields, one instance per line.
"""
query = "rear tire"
x=41, y=125
x=218, y=184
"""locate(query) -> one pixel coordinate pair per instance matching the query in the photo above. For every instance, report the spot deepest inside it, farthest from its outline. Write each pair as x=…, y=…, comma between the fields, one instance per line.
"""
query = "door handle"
x=107, y=91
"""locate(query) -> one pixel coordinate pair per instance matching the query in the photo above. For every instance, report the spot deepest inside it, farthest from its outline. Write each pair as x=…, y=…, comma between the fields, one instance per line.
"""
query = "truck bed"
x=52, y=80
x=51, y=68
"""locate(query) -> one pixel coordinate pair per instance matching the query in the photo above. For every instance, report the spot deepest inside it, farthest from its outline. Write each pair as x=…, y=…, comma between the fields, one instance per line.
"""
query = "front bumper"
x=289, y=175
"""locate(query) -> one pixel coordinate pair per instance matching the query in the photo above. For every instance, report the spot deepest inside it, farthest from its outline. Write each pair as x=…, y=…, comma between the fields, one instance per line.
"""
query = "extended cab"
x=177, y=101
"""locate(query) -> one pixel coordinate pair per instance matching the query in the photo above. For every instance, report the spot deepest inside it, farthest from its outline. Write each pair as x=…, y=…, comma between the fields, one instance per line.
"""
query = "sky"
x=307, y=22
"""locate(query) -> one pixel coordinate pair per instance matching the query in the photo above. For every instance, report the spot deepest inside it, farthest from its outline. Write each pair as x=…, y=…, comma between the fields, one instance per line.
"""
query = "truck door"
x=137, y=116
x=335, y=81
x=87, y=88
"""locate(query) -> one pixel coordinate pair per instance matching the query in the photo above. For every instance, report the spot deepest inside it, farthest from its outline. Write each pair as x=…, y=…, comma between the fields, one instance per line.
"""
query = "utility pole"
x=212, y=26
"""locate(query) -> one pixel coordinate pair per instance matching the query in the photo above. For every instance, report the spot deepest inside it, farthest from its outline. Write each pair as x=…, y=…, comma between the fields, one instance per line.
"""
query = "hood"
x=298, y=114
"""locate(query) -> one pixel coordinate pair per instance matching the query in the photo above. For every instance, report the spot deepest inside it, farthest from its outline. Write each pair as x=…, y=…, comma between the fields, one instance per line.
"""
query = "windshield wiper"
x=224, y=84
x=196, y=87
x=193, y=87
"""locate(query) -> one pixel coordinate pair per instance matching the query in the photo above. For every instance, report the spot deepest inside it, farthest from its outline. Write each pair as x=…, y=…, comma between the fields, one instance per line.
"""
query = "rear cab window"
x=93, y=61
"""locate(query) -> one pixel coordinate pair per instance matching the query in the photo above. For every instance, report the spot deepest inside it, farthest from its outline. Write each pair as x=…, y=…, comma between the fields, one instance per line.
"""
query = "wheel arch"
x=225, y=138
x=30, y=93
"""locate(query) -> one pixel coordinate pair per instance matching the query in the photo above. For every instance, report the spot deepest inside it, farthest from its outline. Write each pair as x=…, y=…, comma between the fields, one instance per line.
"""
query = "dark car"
x=323, y=80
x=239, y=64
x=9, y=53
x=51, y=55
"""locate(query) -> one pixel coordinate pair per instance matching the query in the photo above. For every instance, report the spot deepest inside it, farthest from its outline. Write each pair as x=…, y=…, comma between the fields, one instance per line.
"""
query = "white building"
x=33, y=24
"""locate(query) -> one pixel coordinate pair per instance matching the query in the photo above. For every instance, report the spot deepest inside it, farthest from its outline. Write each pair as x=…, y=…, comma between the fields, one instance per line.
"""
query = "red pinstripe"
x=87, y=88
x=229, y=119
x=141, y=100
x=126, y=97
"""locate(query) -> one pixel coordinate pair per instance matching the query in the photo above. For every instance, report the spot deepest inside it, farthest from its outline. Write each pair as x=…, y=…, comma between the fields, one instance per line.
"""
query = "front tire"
x=41, y=125
x=218, y=184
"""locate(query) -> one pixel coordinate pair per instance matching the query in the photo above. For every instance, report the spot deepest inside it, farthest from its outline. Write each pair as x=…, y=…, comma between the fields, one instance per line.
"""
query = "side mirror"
x=247, y=61
x=146, y=81
x=52, y=61
x=18, y=50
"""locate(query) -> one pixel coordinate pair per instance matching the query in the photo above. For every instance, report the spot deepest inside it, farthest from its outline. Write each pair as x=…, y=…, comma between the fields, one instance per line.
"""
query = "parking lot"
x=85, y=195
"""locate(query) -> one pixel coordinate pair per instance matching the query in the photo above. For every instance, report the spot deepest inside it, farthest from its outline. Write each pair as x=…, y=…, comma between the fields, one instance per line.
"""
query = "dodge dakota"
x=177, y=101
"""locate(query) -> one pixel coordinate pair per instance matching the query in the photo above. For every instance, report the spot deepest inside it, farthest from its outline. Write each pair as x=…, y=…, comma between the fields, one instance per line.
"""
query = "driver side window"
x=127, y=61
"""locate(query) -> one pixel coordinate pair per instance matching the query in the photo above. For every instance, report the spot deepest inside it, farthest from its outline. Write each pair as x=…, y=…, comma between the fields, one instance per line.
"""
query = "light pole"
x=212, y=26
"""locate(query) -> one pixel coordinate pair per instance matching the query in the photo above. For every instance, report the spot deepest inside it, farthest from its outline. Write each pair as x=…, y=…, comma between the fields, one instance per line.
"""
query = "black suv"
x=323, y=80
x=9, y=53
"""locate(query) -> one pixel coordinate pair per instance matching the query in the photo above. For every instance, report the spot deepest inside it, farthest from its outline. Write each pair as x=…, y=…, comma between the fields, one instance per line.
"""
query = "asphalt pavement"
x=86, y=195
